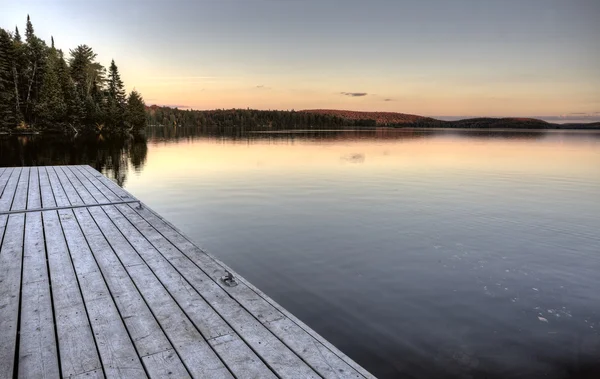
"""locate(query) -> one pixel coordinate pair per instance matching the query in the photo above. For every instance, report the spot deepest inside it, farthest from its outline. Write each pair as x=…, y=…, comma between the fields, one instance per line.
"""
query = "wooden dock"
x=94, y=284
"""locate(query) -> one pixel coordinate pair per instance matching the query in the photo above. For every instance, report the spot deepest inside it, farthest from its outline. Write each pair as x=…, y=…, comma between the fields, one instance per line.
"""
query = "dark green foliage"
x=51, y=107
x=39, y=90
x=135, y=116
x=17, y=34
x=248, y=118
x=9, y=107
x=116, y=101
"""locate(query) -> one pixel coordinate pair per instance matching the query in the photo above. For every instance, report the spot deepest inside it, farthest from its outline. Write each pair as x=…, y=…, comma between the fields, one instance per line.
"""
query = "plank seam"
x=50, y=185
x=109, y=291
x=78, y=283
x=51, y=294
x=16, y=186
x=18, y=335
x=76, y=219
x=65, y=207
x=142, y=296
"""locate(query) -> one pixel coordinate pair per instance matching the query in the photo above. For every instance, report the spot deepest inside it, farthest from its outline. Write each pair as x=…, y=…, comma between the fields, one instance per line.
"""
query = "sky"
x=441, y=58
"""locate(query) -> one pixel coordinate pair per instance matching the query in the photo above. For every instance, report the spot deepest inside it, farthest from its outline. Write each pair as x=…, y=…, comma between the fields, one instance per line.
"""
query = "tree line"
x=42, y=90
x=248, y=118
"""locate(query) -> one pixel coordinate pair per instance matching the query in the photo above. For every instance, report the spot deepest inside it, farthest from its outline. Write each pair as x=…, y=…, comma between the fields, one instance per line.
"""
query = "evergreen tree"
x=75, y=110
x=33, y=74
x=51, y=107
x=117, y=101
x=135, y=116
x=8, y=100
x=40, y=89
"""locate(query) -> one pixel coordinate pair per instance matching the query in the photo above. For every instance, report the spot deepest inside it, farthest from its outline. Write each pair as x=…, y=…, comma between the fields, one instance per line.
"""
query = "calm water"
x=419, y=254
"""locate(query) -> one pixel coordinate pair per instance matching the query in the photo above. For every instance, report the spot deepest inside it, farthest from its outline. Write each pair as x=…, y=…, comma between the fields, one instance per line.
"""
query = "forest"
x=248, y=118
x=42, y=89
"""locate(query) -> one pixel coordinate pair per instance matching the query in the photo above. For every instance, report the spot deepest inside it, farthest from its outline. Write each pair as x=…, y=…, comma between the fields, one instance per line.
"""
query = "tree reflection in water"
x=112, y=155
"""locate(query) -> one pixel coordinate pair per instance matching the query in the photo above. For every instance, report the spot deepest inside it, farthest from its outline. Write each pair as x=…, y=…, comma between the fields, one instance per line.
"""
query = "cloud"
x=262, y=86
x=388, y=99
x=354, y=94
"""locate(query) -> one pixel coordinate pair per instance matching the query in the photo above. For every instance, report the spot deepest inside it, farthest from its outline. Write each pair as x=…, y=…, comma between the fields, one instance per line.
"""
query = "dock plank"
x=20, y=199
x=4, y=176
x=60, y=196
x=294, y=337
x=11, y=258
x=98, y=196
x=8, y=192
x=34, y=200
x=63, y=182
x=78, y=351
x=242, y=361
x=46, y=194
x=38, y=356
x=117, y=352
x=143, y=328
x=276, y=354
x=74, y=182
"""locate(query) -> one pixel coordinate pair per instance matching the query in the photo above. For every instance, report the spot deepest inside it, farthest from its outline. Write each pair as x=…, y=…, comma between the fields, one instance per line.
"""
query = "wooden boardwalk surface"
x=93, y=284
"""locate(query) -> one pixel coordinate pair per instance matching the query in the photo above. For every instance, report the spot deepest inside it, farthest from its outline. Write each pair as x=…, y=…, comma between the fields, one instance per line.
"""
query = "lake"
x=419, y=253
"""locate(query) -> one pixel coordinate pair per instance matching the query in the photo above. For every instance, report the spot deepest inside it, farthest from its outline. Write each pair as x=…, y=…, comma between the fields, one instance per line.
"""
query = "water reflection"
x=113, y=156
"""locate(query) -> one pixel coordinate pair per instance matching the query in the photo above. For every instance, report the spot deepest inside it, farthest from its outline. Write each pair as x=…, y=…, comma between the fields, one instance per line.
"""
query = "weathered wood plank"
x=329, y=365
x=195, y=353
x=109, y=188
x=4, y=176
x=98, y=196
x=11, y=253
x=78, y=352
x=38, y=357
x=332, y=349
x=165, y=364
x=276, y=354
x=8, y=193
x=47, y=196
x=72, y=195
x=60, y=195
x=241, y=360
x=34, y=200
x=199, y=358
x=20, y=199
x=144, y=330
x=117, y=352
x=74, y=181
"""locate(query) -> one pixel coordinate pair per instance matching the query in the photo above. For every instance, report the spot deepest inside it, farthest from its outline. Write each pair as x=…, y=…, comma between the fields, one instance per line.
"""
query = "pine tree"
x=116, y=100
x=8, y=101
x=51, y=108
x=33, y=75
x=17, y=37
x=75, y=111
x=135, y=117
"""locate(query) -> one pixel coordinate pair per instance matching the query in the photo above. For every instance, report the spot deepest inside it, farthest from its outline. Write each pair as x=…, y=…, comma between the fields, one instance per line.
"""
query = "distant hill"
x=381, y=118
x=328, y=118
x=410, y=120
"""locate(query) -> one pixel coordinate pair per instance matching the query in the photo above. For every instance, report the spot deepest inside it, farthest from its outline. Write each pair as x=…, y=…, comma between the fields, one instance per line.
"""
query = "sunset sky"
x=429, y=57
